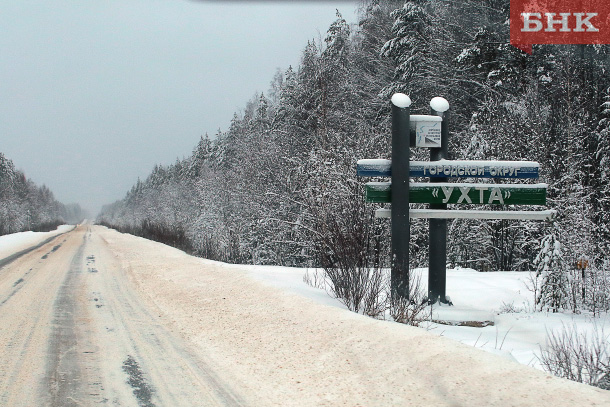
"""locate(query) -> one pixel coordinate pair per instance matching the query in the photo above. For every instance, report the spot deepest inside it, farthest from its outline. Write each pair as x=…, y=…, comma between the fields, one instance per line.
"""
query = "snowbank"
x=284, y=349
x=16, y=242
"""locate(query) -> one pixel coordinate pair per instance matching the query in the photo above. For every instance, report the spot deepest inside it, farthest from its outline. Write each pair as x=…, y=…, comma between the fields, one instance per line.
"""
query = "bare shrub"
x=359, y=288
x=510, y=308
x=374, y=300
x=577, y=356
x=315, y=279
x=413, y=310
x=597, y=287
x=533, y=285
x=346, y=243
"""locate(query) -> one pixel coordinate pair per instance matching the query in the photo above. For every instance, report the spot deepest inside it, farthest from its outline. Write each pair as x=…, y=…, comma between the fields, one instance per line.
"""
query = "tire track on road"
x=162, y=370
x=24, y=323
x=68, y=378
x=19, y=283
x=76, y=332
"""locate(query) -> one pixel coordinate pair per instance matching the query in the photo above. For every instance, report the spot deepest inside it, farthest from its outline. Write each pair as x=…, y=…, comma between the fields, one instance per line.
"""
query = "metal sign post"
x=401, y=232
x=437, y=247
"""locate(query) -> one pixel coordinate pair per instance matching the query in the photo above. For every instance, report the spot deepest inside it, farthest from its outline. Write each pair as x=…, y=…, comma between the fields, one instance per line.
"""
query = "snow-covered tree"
x=25, y=206
x=602, y=198
x=552, y=274
x=410, y=47
x=251, y=193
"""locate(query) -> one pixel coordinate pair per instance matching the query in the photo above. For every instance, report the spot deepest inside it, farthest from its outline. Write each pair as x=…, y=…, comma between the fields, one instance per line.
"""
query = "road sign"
x=461, y=193
x=474, y=169
x=374, y=168
x=453, y=169
x=432, y=131
x=470, y=214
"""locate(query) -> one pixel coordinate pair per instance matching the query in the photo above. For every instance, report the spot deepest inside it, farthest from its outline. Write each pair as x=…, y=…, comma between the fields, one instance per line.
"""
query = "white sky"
x=94, y=93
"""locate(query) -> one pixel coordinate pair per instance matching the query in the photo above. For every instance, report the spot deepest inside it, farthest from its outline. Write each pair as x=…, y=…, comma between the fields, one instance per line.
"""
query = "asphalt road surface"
x=73, y=332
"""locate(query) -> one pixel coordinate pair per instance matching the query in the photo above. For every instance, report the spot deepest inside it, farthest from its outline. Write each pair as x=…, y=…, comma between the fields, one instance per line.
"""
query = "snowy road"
x=96, y=317
x=73, y=332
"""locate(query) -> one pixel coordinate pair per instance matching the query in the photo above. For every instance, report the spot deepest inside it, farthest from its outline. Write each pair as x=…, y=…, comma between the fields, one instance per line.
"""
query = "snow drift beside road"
x=16, y=242
x=282, y=349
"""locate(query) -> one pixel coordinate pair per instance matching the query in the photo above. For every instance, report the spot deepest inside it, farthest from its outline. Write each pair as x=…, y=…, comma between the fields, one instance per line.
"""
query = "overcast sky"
x=94, y=93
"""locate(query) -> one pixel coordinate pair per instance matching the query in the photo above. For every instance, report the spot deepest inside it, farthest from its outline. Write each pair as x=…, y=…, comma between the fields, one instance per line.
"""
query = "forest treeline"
x=279, y=186
x=25, y=206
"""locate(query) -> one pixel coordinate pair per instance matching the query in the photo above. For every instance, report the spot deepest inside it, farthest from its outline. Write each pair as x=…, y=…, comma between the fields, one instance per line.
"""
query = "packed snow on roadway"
x=286, y=343
x=502, y=298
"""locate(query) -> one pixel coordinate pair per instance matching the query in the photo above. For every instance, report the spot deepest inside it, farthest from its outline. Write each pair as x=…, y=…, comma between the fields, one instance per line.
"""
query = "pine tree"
x=602, y=198
x=552, y=273
x=410, y=46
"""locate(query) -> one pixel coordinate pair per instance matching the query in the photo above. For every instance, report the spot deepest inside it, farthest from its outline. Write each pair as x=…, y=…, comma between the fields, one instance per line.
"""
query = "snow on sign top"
x=374, y=168
x=453, y=169
x=401, y=100
x=439, y=104
x=424, y=118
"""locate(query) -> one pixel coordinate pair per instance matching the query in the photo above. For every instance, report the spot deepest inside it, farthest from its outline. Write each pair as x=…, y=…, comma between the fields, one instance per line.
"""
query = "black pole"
x=437, y=252
x=400, y=195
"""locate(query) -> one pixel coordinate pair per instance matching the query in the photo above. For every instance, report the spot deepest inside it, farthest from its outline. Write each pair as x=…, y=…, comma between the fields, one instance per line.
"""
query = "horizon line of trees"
x=24, y=206
x=266, y=190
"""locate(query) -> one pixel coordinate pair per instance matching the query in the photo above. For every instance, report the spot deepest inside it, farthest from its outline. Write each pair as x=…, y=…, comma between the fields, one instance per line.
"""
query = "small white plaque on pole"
x=427, y=130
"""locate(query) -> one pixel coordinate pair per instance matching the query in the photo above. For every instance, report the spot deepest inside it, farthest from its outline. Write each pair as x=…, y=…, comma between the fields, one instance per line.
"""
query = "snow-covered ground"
x=499, y=297
x=280, y=342
x=503, y=298
x=275, y=341
x=16, y=242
